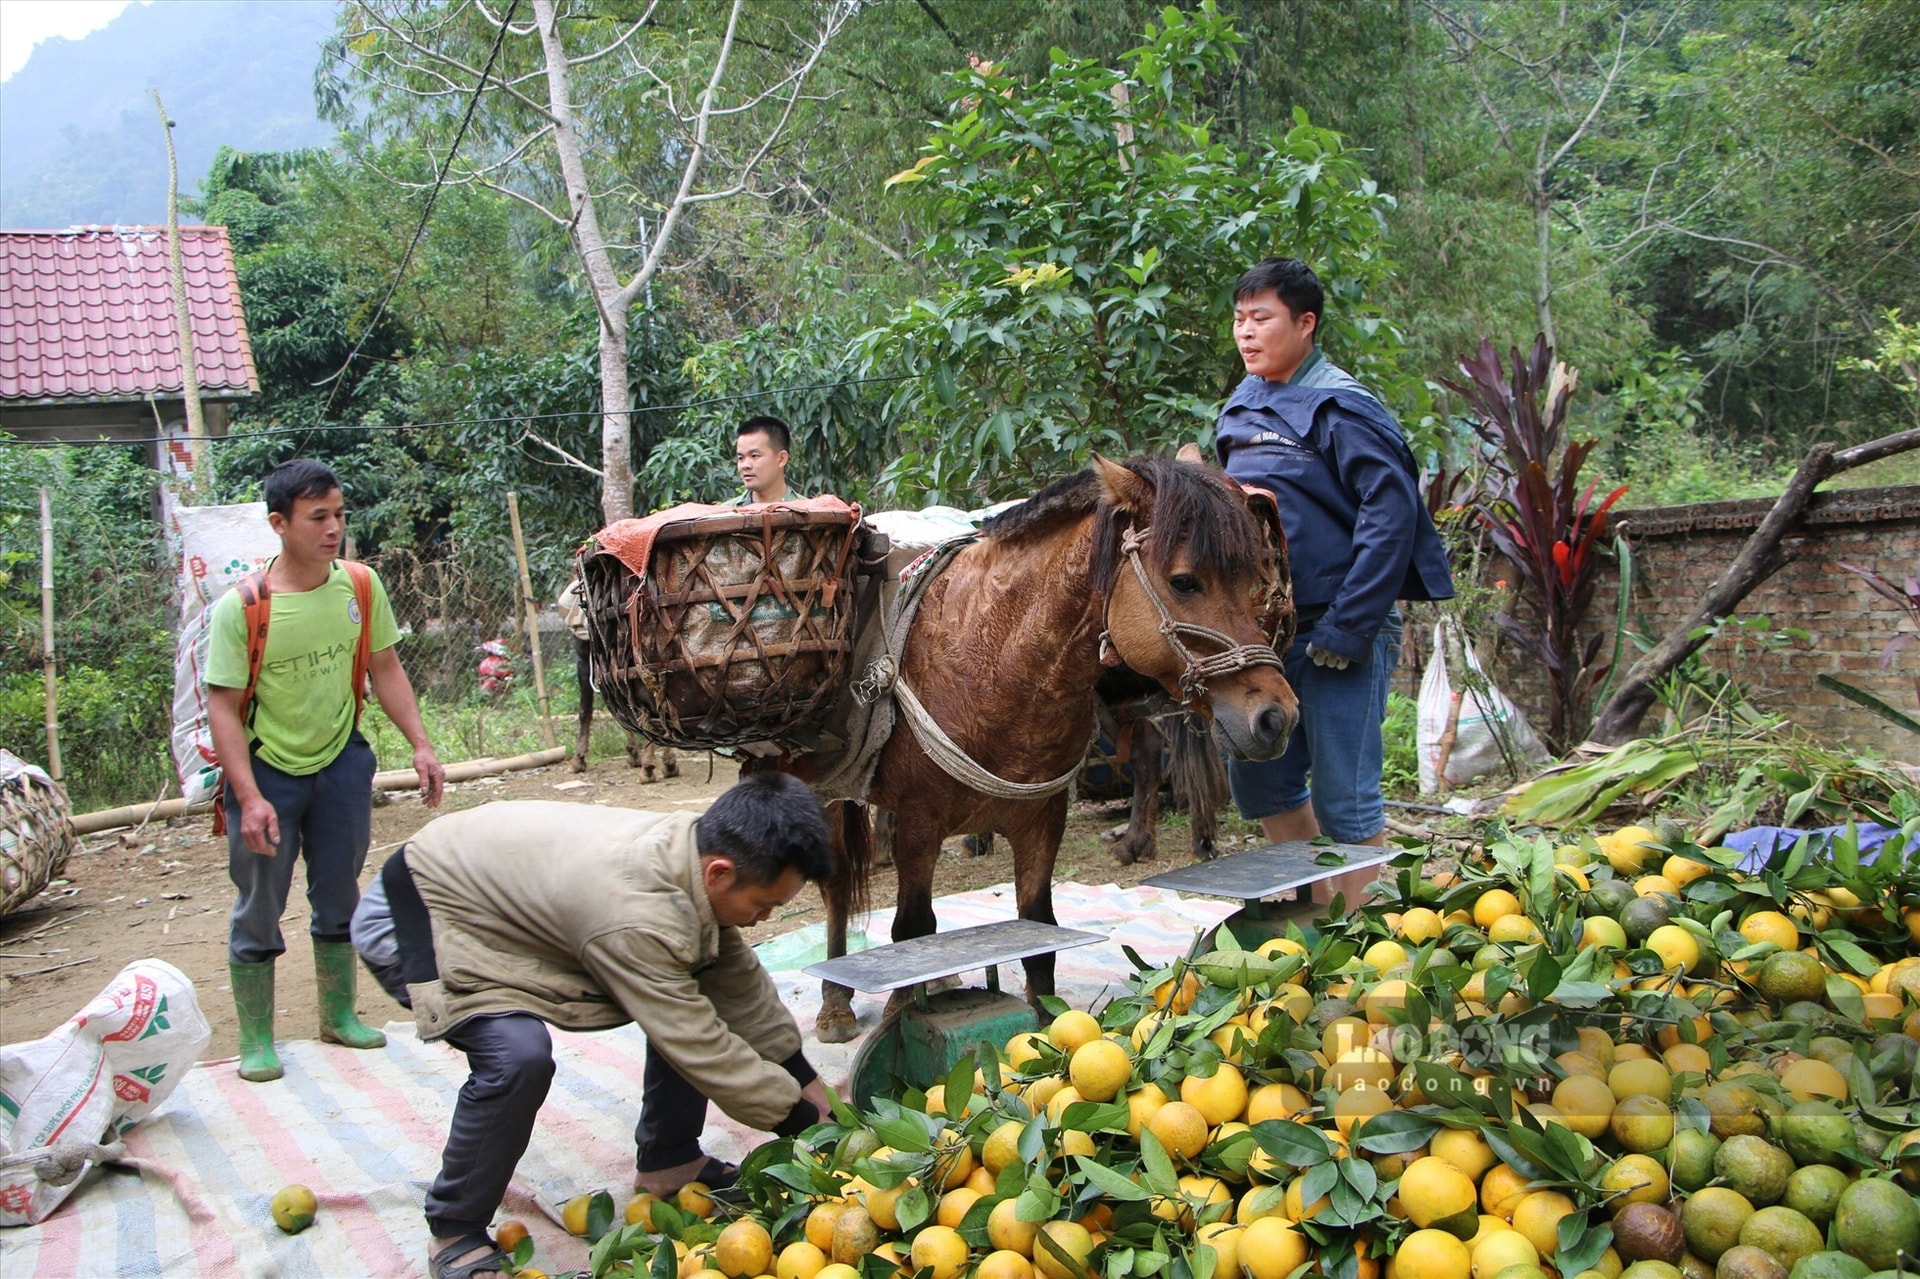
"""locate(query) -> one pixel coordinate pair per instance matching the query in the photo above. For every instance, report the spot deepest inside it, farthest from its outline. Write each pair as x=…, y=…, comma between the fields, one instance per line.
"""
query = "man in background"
x=1359, y=538
x=299, y=776
x=760, y=452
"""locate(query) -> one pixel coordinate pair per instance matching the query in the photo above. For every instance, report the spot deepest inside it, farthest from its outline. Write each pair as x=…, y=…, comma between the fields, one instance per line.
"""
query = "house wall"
x=1679, y=552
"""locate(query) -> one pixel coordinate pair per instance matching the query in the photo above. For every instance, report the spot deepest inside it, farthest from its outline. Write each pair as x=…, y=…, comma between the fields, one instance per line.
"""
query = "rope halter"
x=1231, y=657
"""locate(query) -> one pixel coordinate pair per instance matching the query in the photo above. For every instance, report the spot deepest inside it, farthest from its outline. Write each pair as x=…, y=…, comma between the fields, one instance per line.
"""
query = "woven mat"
x=364, y=1129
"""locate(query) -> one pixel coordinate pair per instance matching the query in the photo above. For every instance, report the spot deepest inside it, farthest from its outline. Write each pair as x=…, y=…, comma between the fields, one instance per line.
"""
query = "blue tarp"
x=1761, y=842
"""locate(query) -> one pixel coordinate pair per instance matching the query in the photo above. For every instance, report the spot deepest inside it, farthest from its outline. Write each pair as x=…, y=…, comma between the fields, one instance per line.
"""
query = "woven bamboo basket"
x=742, y=629
x=36, y=832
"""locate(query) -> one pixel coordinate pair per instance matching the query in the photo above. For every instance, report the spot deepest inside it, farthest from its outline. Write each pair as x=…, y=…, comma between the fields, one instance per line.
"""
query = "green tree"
x=1090, y=226
x=616, y=125
x=350, y=331
x=114, y=652
x=529, y=423
x=1772, y=203
x=799, y=372
x=1550, y=79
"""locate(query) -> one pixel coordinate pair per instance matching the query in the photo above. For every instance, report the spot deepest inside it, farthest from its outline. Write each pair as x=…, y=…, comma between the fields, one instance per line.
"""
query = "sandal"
x=714, y=1174
x=494, y=1262
x=718, y=1174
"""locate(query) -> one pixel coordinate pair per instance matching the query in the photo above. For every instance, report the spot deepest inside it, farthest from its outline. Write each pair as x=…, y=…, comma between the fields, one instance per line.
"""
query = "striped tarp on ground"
x=364, y=1129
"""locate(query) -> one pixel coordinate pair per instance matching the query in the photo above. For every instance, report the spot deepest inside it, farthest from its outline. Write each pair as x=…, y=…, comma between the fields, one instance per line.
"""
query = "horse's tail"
x=846, y=888
x=1198, y=772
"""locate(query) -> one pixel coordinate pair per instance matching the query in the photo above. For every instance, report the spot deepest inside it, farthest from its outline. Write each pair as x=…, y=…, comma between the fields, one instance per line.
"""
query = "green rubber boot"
x=253, y=1001
x=333, y=966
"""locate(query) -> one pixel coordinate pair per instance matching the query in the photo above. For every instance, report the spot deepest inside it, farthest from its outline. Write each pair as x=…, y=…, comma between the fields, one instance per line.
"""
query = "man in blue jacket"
x=1359, y=538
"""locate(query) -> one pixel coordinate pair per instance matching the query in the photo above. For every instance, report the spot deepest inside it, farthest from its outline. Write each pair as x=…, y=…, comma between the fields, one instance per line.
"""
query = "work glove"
x=1332, y=661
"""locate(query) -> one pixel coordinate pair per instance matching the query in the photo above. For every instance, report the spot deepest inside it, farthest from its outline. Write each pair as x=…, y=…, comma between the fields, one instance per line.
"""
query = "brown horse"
x=1141, y=563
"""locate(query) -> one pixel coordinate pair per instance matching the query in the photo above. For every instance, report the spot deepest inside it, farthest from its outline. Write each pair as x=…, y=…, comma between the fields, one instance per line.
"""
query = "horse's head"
x=1197, y=595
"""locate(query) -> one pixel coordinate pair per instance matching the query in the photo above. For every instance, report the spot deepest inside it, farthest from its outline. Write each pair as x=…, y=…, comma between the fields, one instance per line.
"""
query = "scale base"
x=921, y=1046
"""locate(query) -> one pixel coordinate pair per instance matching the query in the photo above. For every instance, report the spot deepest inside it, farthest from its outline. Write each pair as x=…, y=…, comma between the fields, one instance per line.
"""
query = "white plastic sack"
x=218, y=545
x=1484, y=720
x=102, y=1072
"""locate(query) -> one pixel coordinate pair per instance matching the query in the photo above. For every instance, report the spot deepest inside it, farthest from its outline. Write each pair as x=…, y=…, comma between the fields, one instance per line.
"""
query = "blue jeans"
x=1337, y=744
x=325, y=817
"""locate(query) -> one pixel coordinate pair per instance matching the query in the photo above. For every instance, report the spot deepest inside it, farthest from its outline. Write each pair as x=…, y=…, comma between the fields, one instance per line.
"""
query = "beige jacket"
x=590, y=917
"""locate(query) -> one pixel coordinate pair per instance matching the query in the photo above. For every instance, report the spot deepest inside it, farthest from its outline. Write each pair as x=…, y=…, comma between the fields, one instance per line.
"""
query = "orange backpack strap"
x=363, y=653
x=256, y=599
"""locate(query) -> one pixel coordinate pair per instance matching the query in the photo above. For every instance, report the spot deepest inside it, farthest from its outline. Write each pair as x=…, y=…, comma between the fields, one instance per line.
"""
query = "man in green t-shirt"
x=299, y=776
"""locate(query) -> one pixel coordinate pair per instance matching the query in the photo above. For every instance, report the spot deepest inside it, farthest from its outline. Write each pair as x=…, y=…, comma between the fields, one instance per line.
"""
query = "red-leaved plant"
x=1906, y=596
x=1540, y=517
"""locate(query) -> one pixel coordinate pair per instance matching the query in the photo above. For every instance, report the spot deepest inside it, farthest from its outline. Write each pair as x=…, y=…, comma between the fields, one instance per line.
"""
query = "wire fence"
x=114, y=685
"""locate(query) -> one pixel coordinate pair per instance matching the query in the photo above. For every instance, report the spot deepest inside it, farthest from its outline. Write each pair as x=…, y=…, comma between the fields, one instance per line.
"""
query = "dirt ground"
x=162, y=892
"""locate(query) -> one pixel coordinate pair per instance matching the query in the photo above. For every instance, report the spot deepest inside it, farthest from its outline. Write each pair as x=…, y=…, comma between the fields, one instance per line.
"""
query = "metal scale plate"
x=920, y=1047
x=1259, y=874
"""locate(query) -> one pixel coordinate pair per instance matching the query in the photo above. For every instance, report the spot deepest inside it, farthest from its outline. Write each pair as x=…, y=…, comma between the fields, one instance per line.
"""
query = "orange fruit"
x=1181, y=1128
x=1218, y=1097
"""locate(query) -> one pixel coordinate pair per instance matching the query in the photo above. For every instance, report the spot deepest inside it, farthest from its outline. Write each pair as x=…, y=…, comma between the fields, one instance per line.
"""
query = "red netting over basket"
x=720, y=625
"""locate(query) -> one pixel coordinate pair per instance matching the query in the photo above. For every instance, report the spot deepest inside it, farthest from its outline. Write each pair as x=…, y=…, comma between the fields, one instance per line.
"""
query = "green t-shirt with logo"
x=748, y=499
x=302, y=709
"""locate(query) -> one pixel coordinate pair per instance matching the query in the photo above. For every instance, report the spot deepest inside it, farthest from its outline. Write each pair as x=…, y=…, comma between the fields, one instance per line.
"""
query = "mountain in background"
x=79, y=138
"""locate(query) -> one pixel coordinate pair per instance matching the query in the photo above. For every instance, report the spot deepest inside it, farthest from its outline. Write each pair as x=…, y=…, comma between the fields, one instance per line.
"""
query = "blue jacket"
x=1358, y=533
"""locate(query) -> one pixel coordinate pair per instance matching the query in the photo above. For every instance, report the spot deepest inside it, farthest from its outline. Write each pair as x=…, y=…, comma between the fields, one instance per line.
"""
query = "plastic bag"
x=107, y=1068
x=1484, y=720
x=219, y=545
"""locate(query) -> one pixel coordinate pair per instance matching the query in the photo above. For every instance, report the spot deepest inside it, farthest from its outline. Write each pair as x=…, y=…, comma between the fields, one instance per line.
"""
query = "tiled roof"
x=87, y=314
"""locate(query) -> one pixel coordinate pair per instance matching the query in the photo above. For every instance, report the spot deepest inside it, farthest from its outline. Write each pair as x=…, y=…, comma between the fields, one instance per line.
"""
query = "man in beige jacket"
x=513, y=916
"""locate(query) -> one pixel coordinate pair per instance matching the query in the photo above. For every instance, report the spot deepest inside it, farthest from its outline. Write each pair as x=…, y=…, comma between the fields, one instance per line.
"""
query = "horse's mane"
x=1193, y=507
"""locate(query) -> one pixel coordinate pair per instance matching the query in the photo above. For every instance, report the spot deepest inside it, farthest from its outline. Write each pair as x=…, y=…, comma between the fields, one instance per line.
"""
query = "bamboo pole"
x=533, y=619
x=46, y=636
x=393, y=779
x=183, y=319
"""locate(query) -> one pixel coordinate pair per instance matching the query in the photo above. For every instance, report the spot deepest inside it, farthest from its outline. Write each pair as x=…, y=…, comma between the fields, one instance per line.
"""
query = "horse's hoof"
x=648, y=777
x=836, y=1026
x=1205, y=852
x=673, y=770
x=1121, y=854
x=1129, y=851
x=579, y=763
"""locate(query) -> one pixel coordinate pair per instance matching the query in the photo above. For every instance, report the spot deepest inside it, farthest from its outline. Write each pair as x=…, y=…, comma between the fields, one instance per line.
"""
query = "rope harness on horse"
x=884, y=676
x=1231, y=657
x=962, y=767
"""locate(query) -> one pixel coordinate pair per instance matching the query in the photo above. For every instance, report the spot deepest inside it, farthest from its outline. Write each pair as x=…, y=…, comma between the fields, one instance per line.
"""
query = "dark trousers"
x=325, y=817
x=510, y=1060
x=510, y=1065
x=673, y=1112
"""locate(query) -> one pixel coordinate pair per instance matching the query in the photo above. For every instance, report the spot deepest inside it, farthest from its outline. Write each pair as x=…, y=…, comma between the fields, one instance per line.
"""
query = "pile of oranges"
x=1624, y=1057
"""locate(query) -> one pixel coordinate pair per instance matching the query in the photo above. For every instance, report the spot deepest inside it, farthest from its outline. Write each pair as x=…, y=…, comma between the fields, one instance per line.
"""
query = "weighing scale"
x=921, y=1045
x=1260, y=874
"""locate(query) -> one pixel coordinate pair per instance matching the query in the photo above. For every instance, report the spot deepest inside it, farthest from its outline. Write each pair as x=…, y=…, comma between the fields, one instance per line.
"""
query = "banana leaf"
x=1582, y=792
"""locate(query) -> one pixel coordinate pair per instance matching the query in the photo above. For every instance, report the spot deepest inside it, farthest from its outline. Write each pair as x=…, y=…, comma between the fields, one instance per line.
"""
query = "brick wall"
x=1679, y=551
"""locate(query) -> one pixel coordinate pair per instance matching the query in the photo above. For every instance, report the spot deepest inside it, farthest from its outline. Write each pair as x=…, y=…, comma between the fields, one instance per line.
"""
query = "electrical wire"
x=426, y=212
x=458, y=422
